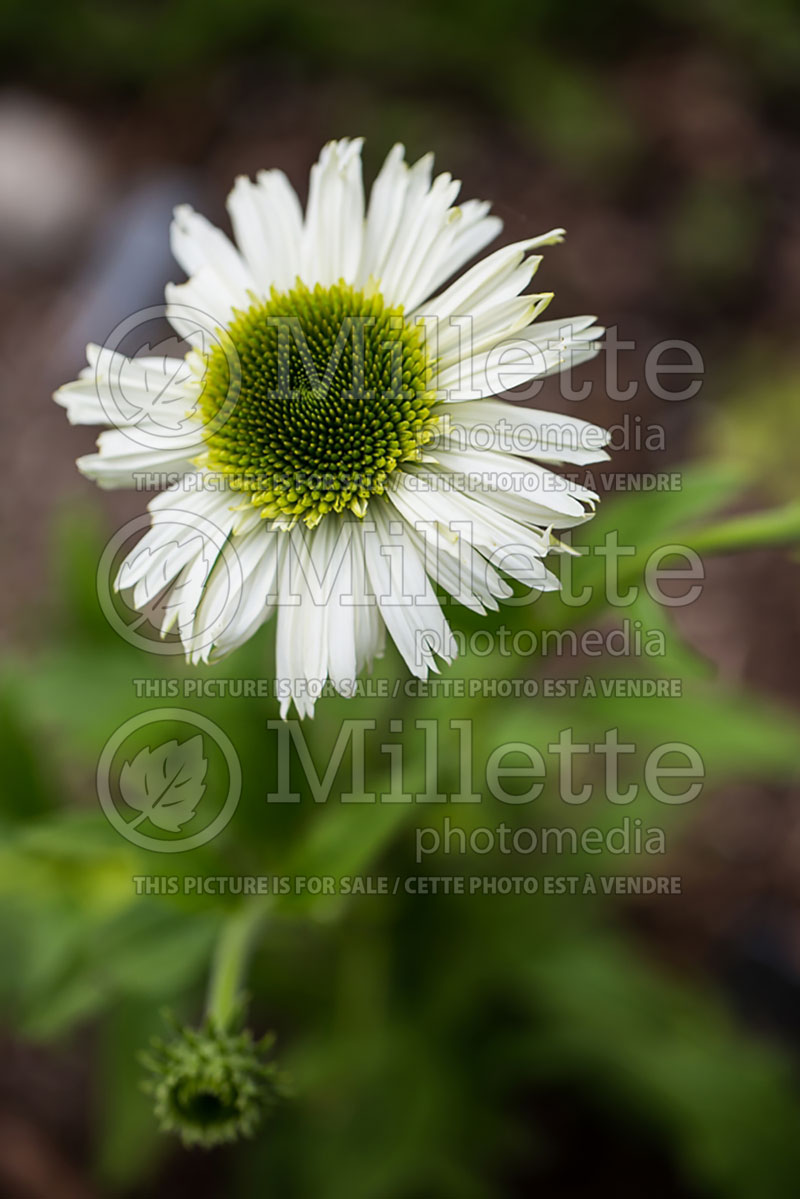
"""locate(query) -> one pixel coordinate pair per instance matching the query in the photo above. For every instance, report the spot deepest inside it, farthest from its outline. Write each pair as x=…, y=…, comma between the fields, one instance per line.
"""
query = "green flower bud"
x=210, y=1085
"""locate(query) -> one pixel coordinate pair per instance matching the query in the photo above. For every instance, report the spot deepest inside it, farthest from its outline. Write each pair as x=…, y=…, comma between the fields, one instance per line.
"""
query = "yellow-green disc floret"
x=312, y=399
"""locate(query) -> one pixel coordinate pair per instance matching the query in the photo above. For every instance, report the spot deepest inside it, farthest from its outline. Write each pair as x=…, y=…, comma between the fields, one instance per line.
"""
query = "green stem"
x=778, y=526
x=229, y=967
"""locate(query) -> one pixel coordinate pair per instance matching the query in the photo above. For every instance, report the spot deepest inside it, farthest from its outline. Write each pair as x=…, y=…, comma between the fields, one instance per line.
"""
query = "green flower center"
x=209, y=1084
x=314, y=398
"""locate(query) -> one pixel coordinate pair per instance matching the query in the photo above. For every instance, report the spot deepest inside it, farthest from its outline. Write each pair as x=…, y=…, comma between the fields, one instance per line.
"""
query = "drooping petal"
x=436, y=497
x=458, y=567
x=302, y=628
x=236, y=603
x=190, y=536
x=405, y=597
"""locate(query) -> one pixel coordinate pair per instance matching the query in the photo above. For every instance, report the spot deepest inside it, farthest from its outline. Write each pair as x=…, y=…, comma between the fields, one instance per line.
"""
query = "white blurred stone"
x=50, y=179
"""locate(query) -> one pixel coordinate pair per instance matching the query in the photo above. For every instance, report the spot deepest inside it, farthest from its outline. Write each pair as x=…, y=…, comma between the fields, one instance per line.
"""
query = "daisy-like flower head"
x=331, y=438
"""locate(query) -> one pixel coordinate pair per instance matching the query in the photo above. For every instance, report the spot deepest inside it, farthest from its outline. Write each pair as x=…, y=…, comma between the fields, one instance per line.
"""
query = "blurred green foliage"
x=140, y=41
x=546, y=68
x=418, y=1030
x=759, y=425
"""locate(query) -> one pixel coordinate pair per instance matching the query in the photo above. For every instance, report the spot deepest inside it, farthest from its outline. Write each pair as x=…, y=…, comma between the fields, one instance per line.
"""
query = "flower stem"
x=778, y=526
x=229, y=967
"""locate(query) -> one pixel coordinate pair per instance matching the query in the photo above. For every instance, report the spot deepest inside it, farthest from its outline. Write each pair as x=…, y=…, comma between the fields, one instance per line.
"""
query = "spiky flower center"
x=313, y=398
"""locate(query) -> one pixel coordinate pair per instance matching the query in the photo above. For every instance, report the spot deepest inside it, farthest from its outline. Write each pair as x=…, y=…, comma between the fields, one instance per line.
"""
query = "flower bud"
x=210, y=1085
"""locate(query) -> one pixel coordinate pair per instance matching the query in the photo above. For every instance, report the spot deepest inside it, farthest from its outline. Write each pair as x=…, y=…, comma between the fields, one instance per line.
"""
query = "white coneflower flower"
x=331, y=423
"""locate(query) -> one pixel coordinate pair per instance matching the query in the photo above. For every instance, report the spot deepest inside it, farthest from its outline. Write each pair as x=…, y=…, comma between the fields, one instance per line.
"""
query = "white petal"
x=406, y=599
x=530, y=432
x=200, y=308
x=123, y=456
x=301, y=633
x=187, y=540
x=459, y=568
x=219, y=280
x=524, y=490
x=370, y=631
x=268, y=225
x=198, y=245
x=463, y=336
x=422, y=234
x=115, y=390
x=386, y=202
x=434, y=497
x=415, y=238
x=476, y=229
x=340, y=636
x=334, y=227
x=396, y=195
x=226, y=616
x=462, y=233
x=515, y=360
x=498, y=277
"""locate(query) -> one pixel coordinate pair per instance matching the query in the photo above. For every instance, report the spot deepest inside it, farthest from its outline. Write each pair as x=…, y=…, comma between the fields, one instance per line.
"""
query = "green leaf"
x=129, y=1142
x=667, y=1057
